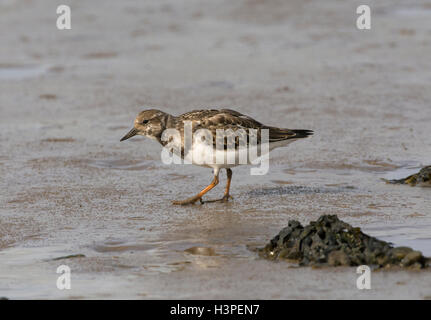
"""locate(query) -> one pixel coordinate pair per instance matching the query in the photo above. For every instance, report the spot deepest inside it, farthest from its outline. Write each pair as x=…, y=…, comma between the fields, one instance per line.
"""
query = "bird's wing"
x=212, y=118
x=237, y=126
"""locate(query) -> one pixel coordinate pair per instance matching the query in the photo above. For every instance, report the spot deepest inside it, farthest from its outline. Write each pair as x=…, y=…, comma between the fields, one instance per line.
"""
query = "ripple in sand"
x=121, y=165
x=202, y=251
x=120, y=246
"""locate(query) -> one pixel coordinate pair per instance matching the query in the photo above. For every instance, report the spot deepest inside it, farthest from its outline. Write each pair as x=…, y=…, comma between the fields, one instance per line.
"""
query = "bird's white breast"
x=204, y=154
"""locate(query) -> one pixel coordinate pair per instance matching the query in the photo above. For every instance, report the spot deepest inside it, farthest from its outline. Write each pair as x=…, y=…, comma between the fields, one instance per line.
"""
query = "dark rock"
x=332, y=242
x=400, y=252
x=338, y=258
x=412, y=258
x=422, y=178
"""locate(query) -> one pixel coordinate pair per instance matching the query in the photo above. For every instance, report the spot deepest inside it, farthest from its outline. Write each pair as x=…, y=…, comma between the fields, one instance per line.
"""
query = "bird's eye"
x=145, y=121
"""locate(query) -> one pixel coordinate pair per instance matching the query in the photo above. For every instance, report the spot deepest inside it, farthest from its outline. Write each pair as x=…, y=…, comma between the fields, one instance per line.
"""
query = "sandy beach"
x=68, y=186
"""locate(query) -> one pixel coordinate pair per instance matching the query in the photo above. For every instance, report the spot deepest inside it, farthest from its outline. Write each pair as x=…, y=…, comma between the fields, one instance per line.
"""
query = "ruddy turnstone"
x=154, y=124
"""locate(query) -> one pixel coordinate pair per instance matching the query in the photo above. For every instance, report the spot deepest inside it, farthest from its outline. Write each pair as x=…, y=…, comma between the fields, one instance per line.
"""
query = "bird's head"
x=149, y=123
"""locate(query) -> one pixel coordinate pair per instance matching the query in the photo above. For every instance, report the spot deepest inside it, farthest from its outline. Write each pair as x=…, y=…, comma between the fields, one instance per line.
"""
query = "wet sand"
x=68, y=186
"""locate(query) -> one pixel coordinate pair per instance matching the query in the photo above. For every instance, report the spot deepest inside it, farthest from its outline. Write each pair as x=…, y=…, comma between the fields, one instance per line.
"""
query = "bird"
x=154, y=123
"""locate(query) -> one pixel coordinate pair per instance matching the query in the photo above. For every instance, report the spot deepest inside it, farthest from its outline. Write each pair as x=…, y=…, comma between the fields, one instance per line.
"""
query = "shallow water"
x=415, y=236
x=68, y=187
x=173, y=241
x=405, y=169
x=18, y=72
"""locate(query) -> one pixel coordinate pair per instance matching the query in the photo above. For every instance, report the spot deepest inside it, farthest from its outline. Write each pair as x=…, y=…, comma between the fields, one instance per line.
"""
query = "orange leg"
x=229, y=179
x=226, y=192
x=200, y=194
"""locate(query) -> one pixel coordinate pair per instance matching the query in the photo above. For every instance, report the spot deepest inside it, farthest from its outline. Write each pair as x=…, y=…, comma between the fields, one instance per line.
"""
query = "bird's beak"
x=130, y=134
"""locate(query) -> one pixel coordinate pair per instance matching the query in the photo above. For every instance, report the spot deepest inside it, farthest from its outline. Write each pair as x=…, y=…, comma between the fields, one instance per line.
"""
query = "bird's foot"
x=225, y=198
x=191, y=200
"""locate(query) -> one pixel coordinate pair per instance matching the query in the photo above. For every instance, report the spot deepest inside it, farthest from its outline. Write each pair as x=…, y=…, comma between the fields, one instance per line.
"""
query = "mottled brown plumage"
x=239, y=129
x=153, y=122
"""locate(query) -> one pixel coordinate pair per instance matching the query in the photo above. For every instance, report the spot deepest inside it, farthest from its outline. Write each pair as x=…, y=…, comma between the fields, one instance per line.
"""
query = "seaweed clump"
x=422, y=178
x=332, y=242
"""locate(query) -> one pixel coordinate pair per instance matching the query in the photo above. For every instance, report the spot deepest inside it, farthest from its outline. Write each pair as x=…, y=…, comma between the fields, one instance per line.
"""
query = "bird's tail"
x=302, y=133
x=278, y=134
